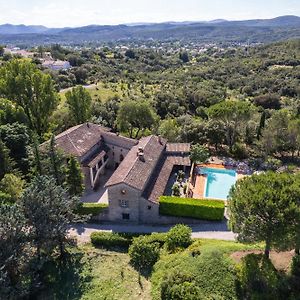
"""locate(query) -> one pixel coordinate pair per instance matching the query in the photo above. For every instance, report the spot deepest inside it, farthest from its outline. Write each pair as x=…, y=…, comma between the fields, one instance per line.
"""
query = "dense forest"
x=229, y=99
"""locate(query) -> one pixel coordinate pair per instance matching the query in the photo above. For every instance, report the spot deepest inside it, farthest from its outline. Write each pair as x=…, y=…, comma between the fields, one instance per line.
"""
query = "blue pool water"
x=218, y=182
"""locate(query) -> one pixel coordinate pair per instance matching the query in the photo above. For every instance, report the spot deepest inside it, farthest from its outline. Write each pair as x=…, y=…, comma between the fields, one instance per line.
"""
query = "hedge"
x=212, y=210
x=124, y=240
x=109, y=240
x=93, y=209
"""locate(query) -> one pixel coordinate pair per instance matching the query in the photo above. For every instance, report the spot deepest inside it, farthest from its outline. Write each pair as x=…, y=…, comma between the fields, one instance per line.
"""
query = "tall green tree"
x=13, y=252
x=234, y=115
x=16, y=138
x=51, y=161
x=49, y=210
x=134, y=117
x=281, y=134
x=169, y=129
x=199, y=153
x=11, y=113
x=74, y=177
x=265, y=208
x=79, y=102
x=23, y=83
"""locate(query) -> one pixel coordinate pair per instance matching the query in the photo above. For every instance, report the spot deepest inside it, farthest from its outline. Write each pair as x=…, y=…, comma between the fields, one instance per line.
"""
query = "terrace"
x=215, y=178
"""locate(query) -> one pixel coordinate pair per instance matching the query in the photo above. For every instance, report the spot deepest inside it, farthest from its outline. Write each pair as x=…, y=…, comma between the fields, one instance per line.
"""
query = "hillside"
x=281, y=28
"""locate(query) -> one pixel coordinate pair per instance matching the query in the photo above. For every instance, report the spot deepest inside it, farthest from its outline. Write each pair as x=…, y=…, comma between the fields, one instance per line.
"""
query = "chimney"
x=140, y=154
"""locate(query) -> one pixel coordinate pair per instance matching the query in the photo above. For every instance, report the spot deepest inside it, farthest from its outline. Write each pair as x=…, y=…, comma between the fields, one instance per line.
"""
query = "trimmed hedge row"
x=110, y=240
x=93, y=209
x=212, y=210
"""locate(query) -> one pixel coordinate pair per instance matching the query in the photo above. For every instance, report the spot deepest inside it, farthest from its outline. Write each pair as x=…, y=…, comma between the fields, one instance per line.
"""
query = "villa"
x=56, y=64
x=140, y=170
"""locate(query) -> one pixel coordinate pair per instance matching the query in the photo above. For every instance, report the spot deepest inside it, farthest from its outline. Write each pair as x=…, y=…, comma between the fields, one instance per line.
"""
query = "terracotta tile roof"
x=118, y=140
x=160, y=178
x=178, y=147
x=92, y=162
x=79, y=139
x=136, y=172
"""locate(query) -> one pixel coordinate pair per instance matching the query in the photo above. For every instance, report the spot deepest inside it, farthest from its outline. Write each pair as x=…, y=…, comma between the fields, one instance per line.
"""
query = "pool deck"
x=199, y=189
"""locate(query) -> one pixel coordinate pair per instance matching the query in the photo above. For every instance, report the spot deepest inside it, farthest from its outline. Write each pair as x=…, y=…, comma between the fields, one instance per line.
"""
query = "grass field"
x=96, y=274
x=104, y=91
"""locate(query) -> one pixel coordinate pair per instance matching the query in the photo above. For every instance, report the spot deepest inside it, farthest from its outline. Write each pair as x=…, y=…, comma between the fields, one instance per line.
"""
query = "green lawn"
x=97, y=274
x=100, y=274
x=226, y=247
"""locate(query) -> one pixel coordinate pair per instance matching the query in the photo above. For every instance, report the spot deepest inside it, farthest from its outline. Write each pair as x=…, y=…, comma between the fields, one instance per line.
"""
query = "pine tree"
x=74, y=177
x=49, y=210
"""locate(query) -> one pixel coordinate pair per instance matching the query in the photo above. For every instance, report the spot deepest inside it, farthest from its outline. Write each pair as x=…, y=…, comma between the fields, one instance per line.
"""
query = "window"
x=125, y=216
x=123, y=203
x=149, y=207
x=121, y=157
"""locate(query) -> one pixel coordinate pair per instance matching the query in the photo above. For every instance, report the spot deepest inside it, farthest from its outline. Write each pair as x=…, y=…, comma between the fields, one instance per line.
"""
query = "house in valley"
x=141, y=173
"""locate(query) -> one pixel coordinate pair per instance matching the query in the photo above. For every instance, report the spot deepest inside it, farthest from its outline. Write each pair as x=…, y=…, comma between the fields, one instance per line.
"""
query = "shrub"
x=272, y=164
x=180, y=286
x=295, y=268
x=179, y=236
x=212, y=272
x=93, y=209
x=269, y=101
x=239, y=151
x=109, y=240
x=143, y=253
x=176, y=189
x=194, y=208
x=156, y=237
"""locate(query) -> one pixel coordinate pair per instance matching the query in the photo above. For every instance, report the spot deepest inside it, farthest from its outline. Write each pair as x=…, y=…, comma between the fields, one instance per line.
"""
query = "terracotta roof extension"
x=178, y=147
x=135, y=170
x=79, y=139
x=118, y=140
x=160, y=177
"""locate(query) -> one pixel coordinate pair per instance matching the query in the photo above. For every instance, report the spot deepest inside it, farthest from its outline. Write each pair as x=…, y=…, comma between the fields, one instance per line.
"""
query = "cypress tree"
x=74, y=177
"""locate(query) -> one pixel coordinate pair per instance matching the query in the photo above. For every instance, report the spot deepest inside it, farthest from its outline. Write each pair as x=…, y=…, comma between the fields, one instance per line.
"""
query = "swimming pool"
x=218, y=182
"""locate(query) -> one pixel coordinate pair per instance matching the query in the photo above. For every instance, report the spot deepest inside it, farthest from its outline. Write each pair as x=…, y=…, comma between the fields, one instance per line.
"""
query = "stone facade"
x=142, y=169
x=126, y=204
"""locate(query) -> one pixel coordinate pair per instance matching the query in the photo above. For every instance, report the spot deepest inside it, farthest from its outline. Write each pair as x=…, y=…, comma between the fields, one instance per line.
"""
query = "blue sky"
x=60, y=13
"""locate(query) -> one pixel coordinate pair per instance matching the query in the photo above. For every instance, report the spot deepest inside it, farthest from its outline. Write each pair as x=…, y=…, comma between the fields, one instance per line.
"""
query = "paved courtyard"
x=100, y=195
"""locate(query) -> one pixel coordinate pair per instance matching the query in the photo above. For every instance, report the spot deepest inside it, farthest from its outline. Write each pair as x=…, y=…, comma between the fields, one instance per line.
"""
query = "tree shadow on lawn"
x=259, y=279
x=65, y=279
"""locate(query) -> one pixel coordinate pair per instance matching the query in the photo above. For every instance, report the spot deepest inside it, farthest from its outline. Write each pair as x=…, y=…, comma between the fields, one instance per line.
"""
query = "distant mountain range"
x=216, y=30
